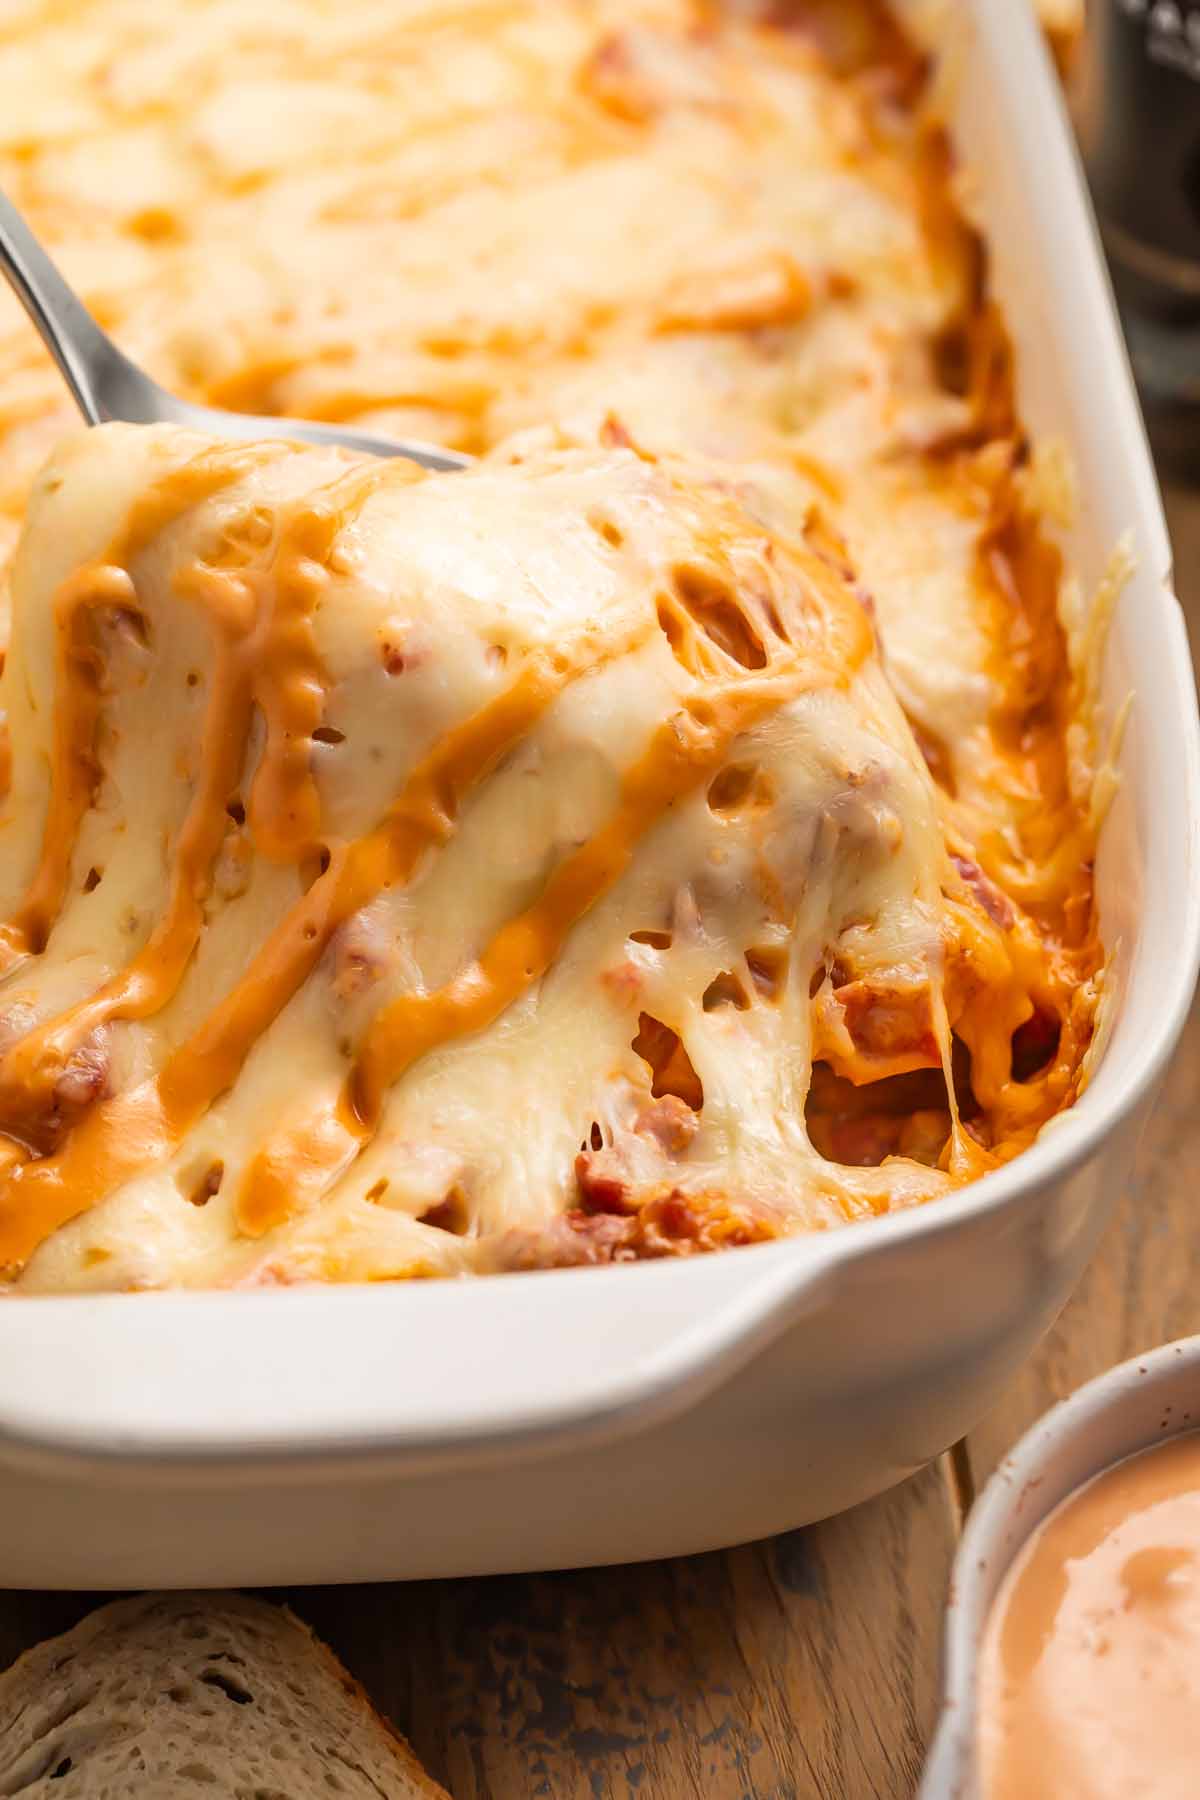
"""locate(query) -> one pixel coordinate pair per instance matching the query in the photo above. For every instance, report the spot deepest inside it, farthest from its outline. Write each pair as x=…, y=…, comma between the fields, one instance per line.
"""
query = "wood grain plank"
x=798, y=1669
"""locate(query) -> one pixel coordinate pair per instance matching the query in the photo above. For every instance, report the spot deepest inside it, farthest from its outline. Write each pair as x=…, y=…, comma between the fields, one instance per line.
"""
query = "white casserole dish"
x=1143, y=1402
x=592, y=1416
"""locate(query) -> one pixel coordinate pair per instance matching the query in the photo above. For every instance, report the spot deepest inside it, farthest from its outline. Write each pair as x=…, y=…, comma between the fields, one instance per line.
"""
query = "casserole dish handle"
x=451, y=1374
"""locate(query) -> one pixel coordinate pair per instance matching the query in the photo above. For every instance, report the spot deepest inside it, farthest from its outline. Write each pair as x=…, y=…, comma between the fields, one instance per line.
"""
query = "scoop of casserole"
x=410, y=874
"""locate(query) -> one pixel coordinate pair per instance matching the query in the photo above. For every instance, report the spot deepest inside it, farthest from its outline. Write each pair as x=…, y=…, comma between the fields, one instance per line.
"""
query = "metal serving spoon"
x=106, y=385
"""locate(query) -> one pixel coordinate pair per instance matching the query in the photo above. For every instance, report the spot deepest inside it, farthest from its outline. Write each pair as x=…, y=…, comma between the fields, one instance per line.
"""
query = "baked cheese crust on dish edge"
x=674, y=831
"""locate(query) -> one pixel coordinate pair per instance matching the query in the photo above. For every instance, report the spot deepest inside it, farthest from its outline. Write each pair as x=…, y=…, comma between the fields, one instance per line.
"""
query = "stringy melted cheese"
x=660, y=836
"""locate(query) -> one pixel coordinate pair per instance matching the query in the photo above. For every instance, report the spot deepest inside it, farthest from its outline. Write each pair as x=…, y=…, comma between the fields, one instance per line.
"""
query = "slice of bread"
x=195, y=1697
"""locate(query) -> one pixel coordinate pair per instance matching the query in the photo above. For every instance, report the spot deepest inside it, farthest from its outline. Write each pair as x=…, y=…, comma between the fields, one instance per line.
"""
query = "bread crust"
x=213, y=1695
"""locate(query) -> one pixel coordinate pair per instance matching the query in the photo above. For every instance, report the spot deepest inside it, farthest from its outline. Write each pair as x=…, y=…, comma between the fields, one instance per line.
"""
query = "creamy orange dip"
x=1090, y=1681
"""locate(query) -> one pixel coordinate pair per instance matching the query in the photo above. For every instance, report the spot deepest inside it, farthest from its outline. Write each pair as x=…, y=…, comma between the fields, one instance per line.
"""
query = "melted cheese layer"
x=688, y=781
x=533, y=714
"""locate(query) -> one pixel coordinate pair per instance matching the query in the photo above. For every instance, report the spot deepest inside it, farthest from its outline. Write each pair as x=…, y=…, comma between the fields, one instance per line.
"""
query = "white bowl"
x=597, y=1416
x=1141, y=1403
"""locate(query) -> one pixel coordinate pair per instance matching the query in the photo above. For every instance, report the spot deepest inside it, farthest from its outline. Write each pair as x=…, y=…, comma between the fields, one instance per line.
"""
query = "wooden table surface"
x=801, y=1667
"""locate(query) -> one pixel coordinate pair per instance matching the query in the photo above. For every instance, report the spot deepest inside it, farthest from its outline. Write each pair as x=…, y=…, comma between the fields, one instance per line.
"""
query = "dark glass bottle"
x=1137, y=107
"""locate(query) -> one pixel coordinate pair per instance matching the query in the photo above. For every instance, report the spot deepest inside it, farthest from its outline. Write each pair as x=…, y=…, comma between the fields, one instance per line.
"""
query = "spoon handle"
x=66, y=327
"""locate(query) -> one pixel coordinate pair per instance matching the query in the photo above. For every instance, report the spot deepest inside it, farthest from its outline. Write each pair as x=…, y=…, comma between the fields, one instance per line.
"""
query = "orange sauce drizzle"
x=30, y=1069
x=684, y=751
x=264, y=653
x=138, y=1129
x=284, y=810
x=74, y=773
x=106, y=582
x=141, y=1127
